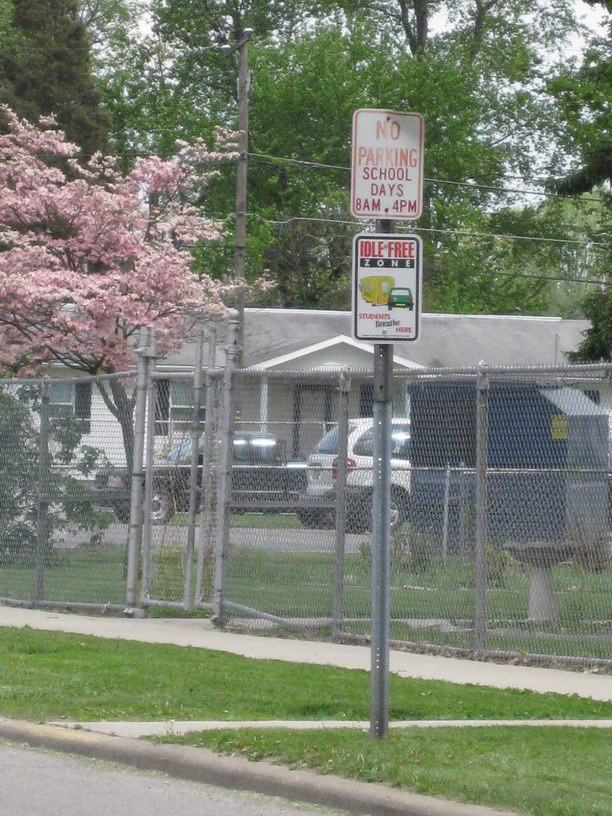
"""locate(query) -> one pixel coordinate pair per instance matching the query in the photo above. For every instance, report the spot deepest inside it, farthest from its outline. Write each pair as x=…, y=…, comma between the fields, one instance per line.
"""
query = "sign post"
x=381, y=532
x=387, y=184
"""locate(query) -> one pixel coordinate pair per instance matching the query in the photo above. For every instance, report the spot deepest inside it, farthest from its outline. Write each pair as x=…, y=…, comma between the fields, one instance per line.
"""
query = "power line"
x=449, y=231
x=469, y=184
x=467, y=233
x=141, y=154
x=554, y=279
x=550, y=278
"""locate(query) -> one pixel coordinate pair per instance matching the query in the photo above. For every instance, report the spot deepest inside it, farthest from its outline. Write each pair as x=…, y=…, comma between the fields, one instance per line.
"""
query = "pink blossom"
x=90, y=257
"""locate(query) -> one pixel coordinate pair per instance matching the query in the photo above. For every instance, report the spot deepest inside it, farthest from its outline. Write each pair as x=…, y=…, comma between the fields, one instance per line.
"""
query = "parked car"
x=321, y=471
x=262, y=479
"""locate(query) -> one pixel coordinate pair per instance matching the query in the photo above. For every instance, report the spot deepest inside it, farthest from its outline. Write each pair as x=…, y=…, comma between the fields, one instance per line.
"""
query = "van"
x=375, y=289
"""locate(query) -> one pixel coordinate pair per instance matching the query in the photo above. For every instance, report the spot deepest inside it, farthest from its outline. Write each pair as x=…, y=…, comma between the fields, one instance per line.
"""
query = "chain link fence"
x=538, y=496
x=248, y=495
x=60, y=439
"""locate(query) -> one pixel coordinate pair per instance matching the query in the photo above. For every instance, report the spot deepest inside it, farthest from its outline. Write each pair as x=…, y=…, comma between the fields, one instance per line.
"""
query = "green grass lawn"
x=45, y=675
x=555, y=772
x=299, y=584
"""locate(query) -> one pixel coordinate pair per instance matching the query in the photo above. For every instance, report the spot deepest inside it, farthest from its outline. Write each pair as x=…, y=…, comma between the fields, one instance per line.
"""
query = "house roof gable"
x=315, y=348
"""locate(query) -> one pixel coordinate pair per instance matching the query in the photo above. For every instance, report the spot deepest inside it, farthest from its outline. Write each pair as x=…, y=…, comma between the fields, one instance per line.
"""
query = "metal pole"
x=463, y=511
x=445, y=516
x=193, y=473
x=149, y=474
x=207, y=498
x=381, y=541
x=381, y=531
x=482, y=408
x=42, y=518
x=137, y=477
x=241, y=179
x=341, y=470
x=225, y=475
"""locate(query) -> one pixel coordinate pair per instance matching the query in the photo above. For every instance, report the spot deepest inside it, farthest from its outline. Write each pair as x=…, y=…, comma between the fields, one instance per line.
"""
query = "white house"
x=298, y=409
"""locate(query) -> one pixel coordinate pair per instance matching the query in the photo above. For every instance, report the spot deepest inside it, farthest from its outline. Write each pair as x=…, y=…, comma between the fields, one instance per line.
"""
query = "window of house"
x=173, y=406
x=71, y=400
x=181, y=405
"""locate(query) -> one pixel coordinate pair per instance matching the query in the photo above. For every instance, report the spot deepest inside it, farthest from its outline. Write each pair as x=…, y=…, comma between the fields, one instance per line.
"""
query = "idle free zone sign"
x=387, y=287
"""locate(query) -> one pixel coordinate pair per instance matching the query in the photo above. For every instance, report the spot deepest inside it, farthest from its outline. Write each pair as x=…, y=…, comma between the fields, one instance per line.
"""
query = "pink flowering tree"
x=88, y=256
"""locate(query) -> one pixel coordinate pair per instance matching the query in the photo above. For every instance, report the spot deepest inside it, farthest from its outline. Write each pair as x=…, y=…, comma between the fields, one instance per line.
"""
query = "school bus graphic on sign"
x=375, y=289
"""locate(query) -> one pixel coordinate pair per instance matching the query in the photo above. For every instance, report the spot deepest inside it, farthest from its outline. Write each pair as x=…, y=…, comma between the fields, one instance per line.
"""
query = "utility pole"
x=244, y=84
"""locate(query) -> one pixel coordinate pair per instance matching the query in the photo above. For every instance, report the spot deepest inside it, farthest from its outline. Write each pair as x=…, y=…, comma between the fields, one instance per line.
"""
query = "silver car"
x=321, y=472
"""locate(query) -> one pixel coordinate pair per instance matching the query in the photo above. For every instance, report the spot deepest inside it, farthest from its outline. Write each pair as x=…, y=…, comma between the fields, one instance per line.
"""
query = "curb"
x=237, y=773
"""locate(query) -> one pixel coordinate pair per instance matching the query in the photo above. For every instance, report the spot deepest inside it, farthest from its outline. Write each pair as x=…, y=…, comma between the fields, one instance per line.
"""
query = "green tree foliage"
x=6, y=13
x=479, y=81
x=19, y=476
x=584, y=96
x=45, y=68
x=597, y=343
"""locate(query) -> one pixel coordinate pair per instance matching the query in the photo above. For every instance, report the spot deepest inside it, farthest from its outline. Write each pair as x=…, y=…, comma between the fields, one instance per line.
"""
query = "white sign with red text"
x=387, y=166
x=387, y=272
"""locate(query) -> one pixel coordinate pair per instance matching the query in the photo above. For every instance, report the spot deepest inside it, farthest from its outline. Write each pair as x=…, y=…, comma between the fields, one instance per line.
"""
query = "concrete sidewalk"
x=200, y=633
x=118, y=741
x=175, y=728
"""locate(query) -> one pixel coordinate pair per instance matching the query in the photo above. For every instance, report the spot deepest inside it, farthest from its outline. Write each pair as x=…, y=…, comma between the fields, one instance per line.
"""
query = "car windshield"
x=401, y=292
x=180, y=453
x=329, y=443
x=400, y=442
x=254, y=449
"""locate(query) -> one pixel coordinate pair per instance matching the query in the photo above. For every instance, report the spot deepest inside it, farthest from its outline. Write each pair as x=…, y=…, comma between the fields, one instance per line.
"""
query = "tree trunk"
x=121, y=405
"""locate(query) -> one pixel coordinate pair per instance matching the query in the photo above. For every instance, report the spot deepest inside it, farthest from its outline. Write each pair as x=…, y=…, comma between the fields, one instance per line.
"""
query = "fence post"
x=482, y=426
x=341, y=468
x=207, y=497
x=463, y=512
x=226, y=433
x=447, y=477
x=137, y=477
x=42, y=517
x=149, y=473
x=193, y=473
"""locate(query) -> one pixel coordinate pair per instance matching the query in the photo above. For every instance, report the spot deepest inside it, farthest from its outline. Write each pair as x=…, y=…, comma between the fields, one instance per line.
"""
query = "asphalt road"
x=34, y=782
x=301, y=540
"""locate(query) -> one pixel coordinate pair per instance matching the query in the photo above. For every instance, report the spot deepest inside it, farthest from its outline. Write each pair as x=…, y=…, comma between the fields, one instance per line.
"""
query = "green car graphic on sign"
x=400, y=298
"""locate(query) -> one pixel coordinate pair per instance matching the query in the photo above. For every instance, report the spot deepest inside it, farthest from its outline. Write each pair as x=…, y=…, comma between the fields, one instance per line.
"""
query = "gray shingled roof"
x=446, y=340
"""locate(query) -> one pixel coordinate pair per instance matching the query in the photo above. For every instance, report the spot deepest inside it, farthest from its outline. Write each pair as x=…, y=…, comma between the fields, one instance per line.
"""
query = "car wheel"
x=359, y=513
x=399, y=508
x=316, y=519
x=122, y=511
x=162, y=507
